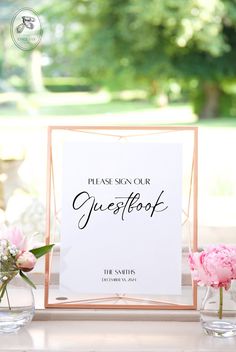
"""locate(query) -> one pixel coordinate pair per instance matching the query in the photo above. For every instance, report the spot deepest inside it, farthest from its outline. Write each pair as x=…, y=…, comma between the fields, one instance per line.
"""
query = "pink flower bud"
x=26, y=261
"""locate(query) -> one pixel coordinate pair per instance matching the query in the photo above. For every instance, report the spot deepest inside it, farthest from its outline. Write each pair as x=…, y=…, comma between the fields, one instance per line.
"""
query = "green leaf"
x=39, y=252
x=29, y=282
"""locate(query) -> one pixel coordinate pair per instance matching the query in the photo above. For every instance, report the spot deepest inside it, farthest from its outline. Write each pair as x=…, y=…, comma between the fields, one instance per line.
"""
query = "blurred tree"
x=18, y=69
x=144, y=43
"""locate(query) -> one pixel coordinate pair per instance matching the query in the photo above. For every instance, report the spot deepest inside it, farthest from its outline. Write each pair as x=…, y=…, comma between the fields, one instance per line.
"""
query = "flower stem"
x=2, y=291
x=220, y=313
x=8, y=301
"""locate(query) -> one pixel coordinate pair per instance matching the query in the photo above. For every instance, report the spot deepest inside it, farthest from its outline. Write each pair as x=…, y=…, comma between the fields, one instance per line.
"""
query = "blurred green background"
x=120, y=62
x=144, y=54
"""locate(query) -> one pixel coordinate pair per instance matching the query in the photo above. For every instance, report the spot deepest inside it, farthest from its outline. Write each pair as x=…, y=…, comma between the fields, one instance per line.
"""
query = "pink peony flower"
x=15, y=236
x=26, y=261
x=214, y=267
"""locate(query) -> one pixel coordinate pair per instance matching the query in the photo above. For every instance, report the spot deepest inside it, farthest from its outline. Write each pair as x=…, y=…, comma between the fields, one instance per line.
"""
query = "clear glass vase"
x=17, y=303
x=218, y=312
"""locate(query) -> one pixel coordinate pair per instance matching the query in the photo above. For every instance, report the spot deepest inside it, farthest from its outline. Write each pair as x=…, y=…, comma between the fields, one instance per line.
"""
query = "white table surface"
x=118, y=336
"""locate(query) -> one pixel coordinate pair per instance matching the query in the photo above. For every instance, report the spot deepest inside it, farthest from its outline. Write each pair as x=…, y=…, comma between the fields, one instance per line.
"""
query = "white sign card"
x=121, y=218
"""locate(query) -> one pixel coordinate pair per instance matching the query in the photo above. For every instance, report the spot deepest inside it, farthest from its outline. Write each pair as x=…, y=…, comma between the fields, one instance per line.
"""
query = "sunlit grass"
x=62, y=105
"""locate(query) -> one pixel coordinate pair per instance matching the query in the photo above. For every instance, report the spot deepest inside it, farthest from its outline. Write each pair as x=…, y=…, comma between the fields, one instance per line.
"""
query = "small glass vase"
x=17, y=304
x=218, y=312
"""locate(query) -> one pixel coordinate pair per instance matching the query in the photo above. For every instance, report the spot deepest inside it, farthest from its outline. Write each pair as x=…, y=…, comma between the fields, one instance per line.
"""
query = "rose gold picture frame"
x=188, y=137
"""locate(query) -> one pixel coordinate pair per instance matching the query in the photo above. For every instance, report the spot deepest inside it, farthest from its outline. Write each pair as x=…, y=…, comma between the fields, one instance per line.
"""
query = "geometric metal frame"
x=119, y=301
